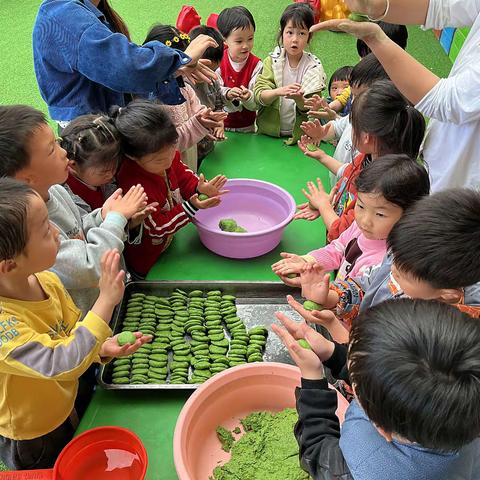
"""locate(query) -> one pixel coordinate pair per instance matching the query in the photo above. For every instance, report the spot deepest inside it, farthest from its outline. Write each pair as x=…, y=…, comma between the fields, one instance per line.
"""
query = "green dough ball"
x=304, y=344
x=126, y=337
x=203, y=197
x=292, y=275
x=309, y=305
x=240, y=230
x=358, y=17
x=311, y=147
x=227, y=225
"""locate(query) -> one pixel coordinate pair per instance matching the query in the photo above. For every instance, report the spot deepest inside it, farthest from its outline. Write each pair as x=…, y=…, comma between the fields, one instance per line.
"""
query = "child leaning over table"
x=45, y=344
x=414, y=366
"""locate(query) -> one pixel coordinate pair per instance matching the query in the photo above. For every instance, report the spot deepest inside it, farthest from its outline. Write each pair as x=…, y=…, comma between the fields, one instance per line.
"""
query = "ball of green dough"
x=126, y=337
x=203, y=197
x=240, y=230
x=309, y=305
x=292, y=275
x=304, y=344
x=358, y=17
x=227, y=224
x=311, y=147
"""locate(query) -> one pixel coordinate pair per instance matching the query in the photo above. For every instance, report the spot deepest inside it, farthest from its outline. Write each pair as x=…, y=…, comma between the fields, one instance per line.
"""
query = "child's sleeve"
x=318, y=431
x=265, y=80
x=251, y=103
x=160, y=224
x=33, y=354
x=344, y=96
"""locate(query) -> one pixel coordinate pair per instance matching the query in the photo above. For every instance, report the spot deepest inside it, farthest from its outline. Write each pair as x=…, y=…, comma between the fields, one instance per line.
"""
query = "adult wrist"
x=380, y=13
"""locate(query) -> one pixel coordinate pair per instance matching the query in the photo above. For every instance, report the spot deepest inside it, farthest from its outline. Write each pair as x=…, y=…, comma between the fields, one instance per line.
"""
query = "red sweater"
x=174, y=211
x=232, y=78
x=94, y=198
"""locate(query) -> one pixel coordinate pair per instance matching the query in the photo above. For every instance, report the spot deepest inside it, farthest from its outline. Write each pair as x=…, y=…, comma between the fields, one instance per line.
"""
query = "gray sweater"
x=84, y=238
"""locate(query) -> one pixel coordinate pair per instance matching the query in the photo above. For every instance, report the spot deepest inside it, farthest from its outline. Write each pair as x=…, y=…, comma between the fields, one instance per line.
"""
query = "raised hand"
x=111, y=278
x=140, y=216
x=318, y=154
x=316, y=194
x=289, y=264
x=315, y=130
x=135, y=200
x=213, y=187
x=197, y=47
x=315, y=283
x=210, y=119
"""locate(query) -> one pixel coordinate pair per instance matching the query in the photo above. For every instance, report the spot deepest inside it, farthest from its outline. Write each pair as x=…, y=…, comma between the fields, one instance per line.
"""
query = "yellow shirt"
x=44, y=349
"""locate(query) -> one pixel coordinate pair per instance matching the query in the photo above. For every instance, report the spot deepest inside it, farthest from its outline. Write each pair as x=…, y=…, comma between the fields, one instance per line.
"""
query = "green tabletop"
x=152, y=414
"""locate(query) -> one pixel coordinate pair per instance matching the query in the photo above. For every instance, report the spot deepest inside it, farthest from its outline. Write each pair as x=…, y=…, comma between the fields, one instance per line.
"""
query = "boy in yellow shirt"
x=44, y=347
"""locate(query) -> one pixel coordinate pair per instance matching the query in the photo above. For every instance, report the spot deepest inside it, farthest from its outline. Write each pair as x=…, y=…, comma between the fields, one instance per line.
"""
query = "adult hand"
x=198, y=73
x=197, y=47
x=365, y=31
x=210, y=119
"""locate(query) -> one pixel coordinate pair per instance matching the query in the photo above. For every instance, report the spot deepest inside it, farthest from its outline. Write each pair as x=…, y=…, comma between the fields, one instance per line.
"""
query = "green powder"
x=226, y=438
x=268, y=450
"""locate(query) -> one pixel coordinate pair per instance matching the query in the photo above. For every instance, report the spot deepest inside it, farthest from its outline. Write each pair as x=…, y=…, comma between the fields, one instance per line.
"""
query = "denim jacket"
x=82, y=66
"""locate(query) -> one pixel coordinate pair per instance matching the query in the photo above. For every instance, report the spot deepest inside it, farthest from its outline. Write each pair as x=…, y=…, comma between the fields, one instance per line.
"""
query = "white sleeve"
x=340, y=125
x=452, y=13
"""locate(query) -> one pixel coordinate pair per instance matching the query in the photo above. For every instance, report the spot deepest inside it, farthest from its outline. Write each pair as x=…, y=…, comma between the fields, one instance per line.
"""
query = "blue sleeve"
x=113, y=61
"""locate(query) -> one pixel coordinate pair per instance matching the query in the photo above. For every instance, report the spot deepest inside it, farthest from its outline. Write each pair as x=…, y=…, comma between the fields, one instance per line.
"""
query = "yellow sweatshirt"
x=44, y=349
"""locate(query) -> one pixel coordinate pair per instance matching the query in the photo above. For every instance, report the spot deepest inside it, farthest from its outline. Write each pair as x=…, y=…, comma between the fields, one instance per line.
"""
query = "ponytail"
x=385, y=113
x=113, y=18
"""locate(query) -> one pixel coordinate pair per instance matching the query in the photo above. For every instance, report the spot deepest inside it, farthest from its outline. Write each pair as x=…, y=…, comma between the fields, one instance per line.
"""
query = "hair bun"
x=114, y=111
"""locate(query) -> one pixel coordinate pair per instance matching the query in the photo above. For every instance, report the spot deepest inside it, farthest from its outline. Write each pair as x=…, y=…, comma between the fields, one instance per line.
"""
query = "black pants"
x=37, y=453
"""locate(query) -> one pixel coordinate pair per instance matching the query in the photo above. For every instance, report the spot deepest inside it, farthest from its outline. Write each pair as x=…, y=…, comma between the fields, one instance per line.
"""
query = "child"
x=193, y=120
x=383, y=121
x=93, y=149
x=415, y=369
x=289, y=75
x=385, y=189
x=149, y=141
x=239, y=68
x=29, y=152
x=45, y=344
x=397, y=33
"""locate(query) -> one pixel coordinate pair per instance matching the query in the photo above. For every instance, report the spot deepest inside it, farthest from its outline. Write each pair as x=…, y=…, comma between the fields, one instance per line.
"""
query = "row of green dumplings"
x=189, y=338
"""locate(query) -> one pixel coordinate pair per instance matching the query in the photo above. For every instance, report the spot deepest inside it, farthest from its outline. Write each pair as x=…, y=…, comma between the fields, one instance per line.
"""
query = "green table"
x=152, y=414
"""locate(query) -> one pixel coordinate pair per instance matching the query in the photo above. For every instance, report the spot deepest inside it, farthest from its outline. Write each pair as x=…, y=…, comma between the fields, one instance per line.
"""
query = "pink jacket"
x=351, y=253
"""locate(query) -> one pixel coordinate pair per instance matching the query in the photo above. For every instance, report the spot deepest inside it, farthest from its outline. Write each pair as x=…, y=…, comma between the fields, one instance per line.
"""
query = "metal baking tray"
x=256, y=304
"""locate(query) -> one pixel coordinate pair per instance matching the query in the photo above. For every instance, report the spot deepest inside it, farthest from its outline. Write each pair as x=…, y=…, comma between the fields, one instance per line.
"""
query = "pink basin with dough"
x=225, y=399
x=264, y=209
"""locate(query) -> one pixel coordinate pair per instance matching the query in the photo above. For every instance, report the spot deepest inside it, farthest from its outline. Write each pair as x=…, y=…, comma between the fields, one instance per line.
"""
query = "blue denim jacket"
x=83, y=67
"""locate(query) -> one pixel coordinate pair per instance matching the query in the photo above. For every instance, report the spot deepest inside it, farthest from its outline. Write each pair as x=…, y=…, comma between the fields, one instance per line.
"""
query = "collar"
x=90, y=6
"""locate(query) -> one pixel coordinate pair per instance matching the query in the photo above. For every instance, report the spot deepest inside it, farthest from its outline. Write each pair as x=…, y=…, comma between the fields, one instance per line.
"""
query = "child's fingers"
x=307, y=194
x=291, y=326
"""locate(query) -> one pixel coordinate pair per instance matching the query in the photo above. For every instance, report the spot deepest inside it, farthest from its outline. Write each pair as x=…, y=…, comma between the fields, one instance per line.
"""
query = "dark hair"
x=14, y=201
x=234, y=18
x=436, y=240
x=300, y=14
x=113, y=18
x=397, y=33
x=92, y=141
x=367, y=71
x=385, y=113
x=215, y=54
x=167, y=33
x=416, y=370
x=342, y=74
x=144, y=127
x=17, y=124
x=399, y=179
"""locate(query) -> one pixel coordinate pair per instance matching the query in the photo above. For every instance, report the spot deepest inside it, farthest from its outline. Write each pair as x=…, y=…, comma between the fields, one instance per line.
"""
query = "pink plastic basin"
x=224, y=400
x=264, y=209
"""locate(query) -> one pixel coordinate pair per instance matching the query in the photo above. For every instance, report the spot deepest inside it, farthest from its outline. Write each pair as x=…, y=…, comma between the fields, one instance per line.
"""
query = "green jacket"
x=271, y=77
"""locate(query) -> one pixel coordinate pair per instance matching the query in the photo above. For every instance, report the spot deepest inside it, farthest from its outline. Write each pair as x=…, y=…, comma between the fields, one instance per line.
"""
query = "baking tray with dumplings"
x=199, y=328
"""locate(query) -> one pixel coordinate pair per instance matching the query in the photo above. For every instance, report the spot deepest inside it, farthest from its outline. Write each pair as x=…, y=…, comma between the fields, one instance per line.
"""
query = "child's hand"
x=219, y=134
x=133, y=201
x=234, y=93
x=298, y=96
x=290, y=264
x=107, y=205
x=316, y=194
x=111, y=348
x=199, y=73
x=111, y=278
x=315, y=283
x=318, y=154
x=314, y=102
x=213, y=187
x=246, y=93
x=211, y=120
x=315, y=130
x=323, y=111
x=288, y=90
x=203, y=204
x=307, y=360
x=306, y=213
x=138, y=218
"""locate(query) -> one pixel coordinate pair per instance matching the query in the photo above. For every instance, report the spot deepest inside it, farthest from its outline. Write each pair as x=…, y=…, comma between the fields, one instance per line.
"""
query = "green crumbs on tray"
x=267, y=450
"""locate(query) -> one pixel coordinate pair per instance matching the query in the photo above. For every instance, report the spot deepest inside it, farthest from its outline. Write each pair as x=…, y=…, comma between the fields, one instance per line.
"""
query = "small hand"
x=315, y=130
x=203, y=204
x=210, y=119
x=306, y=213
x=135, y=200
x=315, y=283
x=316, y=194
x=111, y=348
x=317, y=154
x=234, y=93
x=245, y=94
x=324, y=112
x=314, y=102
x=288, y=90
x=138, y=218
x=111, y=277
x=213, y=187
x=219, y=134
x=290, y=264
x=107, y=206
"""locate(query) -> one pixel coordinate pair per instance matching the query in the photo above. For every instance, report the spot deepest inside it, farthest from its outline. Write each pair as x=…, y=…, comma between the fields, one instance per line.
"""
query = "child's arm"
x=321, y=200
x=318, y=132
x=326, y=160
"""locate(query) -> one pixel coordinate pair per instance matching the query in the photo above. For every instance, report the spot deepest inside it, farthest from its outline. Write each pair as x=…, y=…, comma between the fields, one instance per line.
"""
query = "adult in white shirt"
x=452, y=143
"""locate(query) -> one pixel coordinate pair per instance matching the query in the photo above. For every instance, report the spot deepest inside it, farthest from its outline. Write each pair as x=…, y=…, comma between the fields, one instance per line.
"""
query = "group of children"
x=105, y=200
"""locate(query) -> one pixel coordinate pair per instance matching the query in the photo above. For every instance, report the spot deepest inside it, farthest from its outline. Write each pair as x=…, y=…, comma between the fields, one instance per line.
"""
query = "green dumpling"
x=126, y=337
x=228, y=224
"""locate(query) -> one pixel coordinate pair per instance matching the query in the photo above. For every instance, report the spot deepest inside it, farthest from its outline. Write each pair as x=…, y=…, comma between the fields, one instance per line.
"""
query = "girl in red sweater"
x=149, y=143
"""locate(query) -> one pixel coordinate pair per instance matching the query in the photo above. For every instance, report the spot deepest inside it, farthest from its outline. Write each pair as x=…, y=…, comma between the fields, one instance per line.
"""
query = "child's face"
x=294, y=40
x=43, y=239
x=48, y=162
x=337, y=87
x=376, y=216
x=95, y=177
x=158, y=162
x=240, y=43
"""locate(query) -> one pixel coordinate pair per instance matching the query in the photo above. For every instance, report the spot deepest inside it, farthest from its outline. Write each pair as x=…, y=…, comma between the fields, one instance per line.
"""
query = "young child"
x=30, y=152
x=397, y=33
x=368, y=71
x=385, y=190
x=383, y=121
x=289, y=75
x=149, y=142
x=415, y=369
x=45, y=344
x=193, y=120
x=93, y=149
x=239, y=68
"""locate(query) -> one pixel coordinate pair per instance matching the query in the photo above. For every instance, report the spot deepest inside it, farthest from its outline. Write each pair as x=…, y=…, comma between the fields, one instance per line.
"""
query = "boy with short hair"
x=30, y=152
x=45, y=344
x=415, y=369
x=239, y=67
